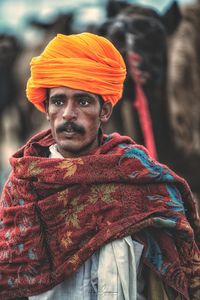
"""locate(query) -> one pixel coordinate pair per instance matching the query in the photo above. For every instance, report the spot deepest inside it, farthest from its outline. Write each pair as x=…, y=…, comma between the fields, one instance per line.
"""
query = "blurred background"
x=15, y=15
x=160, y=43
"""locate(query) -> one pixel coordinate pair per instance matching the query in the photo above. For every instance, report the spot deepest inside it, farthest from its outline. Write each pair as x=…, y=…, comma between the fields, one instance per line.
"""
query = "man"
x=85, y=215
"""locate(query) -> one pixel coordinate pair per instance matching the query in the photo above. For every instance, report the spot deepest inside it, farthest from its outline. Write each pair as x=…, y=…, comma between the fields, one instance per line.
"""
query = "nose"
x=69, y=111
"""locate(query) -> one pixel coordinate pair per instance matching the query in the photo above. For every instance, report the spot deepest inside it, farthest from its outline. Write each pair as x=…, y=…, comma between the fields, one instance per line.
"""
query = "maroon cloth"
x=55, y=213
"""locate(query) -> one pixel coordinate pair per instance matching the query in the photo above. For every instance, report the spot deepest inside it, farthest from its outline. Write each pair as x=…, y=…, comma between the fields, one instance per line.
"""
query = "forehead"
x=69, y=92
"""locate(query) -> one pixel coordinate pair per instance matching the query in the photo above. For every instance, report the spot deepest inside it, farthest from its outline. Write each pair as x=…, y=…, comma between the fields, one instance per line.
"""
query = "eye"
x=57, y=102
x=84, y=101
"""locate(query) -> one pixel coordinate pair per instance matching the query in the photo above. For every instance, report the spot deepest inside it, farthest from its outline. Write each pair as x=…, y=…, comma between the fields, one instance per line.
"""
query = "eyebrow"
x=56, y=96
x=84, y=95
x=76, y=95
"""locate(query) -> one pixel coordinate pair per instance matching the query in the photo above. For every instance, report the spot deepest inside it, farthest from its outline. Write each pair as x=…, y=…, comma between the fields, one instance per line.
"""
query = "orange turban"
x=82, y=61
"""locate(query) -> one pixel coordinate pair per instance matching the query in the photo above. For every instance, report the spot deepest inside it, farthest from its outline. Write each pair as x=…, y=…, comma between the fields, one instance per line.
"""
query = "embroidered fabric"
x=110, y=274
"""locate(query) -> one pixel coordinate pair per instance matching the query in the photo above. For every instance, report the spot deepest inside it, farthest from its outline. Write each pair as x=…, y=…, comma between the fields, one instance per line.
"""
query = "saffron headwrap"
x=83, y=61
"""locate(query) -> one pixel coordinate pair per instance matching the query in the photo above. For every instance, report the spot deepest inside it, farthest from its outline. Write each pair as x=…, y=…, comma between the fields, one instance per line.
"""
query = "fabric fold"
x=55, y=213
x=67, y=58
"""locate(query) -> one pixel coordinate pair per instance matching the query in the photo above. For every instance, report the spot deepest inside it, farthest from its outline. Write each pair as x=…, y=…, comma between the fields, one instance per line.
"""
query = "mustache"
x=75, y=127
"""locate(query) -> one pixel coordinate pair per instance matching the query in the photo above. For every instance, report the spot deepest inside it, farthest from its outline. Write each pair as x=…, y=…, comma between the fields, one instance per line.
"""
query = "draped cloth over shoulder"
x=56, y=212
x=83, y=61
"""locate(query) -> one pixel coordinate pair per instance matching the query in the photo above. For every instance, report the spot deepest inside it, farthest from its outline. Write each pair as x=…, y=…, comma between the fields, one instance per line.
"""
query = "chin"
x=67, y=147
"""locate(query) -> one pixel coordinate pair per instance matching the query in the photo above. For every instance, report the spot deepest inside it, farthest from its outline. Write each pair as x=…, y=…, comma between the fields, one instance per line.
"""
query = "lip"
x=67, y=134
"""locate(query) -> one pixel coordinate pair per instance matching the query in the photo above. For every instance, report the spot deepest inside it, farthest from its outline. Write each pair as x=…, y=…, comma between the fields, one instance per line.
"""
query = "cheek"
x=93, y=122
x=93, y=129
x=53, y=121
x=53, y=117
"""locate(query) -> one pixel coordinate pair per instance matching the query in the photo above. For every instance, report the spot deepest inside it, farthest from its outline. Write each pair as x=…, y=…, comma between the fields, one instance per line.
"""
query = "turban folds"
x=82, y=61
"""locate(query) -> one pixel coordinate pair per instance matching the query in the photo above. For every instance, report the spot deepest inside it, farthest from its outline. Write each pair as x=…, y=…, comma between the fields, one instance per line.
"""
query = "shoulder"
x=37, y=145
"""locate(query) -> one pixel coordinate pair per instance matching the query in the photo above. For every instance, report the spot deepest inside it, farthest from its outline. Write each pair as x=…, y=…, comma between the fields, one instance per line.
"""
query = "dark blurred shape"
x=9, y=50
x=114, y=7
x=61, y=23
x=140, y=29
x=172, y=18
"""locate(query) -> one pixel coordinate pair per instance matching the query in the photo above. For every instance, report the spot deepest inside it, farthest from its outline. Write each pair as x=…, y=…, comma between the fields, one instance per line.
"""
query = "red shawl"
x=55, y=213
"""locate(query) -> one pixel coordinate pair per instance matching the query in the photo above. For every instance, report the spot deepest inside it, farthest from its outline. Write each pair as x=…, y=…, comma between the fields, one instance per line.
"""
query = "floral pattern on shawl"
x=55, y=213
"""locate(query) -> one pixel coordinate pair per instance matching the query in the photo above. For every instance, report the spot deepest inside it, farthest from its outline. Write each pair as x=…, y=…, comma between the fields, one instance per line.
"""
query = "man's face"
x=75, y=117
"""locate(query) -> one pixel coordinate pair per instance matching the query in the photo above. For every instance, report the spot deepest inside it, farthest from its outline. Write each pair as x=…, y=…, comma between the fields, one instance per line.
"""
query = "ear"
x=47, y=116
x=172, y=18
x=106, y=112
x=115, y=7
x=46, y=110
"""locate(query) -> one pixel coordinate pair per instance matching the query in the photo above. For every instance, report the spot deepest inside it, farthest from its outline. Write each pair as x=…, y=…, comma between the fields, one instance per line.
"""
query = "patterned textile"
x=55, y=213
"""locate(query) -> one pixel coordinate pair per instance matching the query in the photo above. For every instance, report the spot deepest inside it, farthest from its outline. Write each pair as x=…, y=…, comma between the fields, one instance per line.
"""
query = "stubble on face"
x=75, y=132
